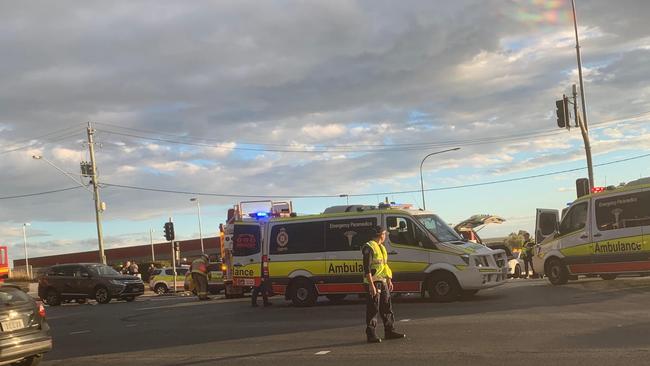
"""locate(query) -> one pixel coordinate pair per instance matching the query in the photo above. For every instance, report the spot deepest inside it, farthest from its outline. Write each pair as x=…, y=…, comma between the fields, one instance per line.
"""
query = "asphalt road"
x=589, y=322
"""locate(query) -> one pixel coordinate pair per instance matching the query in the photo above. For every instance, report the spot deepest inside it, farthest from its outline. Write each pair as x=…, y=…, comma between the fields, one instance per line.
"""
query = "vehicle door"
x=344, y=239
x=409, y=249
x=215, y=274
x=247, y=254
x=84, y=283
x=574, y=237
x=621, y=232
x=67, y=281
x=546, y=224
x=297, y=248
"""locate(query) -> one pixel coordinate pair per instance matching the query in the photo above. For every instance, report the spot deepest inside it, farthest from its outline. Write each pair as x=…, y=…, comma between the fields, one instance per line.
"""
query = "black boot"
x=372, y=338
x=391, y=334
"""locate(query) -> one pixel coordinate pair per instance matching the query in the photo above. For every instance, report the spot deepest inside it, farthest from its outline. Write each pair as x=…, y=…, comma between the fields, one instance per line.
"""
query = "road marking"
x=405, y=320
x=80, y=332
x=320, y=353
x=130, y=325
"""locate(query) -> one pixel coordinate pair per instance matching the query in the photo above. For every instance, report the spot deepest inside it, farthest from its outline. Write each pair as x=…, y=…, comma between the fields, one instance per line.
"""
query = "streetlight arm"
x=424, y=205
x=62, y=171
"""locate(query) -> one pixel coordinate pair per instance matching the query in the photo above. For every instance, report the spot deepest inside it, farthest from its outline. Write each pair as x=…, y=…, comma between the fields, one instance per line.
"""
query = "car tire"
x=129, y=298
x=608, y=277
x=102, y=295
x=303, y=293
x=517, y=273
x=336, y=298
x=443, y=287
x=160, y=289
x=30, y=361
x=52, y=297
x=557, y=272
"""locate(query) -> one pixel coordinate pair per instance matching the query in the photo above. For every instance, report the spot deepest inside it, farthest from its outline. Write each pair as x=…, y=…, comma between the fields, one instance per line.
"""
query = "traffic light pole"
x=584, y=126
x=585, y=137
x=98, y=203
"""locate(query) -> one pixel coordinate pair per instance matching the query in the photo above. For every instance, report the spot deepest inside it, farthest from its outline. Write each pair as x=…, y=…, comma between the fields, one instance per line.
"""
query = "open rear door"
x=546, y=223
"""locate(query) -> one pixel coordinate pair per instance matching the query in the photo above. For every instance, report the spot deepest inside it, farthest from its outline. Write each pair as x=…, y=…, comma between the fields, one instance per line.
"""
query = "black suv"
x=83, y=281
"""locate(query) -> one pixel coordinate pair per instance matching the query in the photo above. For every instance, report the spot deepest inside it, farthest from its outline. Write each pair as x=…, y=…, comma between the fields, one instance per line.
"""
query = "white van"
x=606, y=234
x=308, y=256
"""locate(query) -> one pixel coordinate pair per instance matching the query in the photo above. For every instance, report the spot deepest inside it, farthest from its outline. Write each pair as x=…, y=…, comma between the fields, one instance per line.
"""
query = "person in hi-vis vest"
x=377, y=278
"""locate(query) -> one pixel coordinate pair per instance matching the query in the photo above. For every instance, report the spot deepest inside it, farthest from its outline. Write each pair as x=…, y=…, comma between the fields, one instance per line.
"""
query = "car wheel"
x=557, y=272
x=336, y=297
x=129, y=298
x=608, y=277
x=443, y=287
x=160, y=289
x=517, y=273
x=52, y=298
x=102, y=296
x=30, y=361
x=303, y=293
x=80, y=301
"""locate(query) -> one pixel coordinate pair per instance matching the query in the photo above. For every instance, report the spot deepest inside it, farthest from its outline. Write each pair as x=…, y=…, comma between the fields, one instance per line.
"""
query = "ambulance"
x=605, y=233
x=309, y=256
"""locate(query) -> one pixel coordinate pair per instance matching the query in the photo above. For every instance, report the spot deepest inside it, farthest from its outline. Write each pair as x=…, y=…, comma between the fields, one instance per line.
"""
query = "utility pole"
x=198, y=207
x=98, y=203
x=27, y=271
x=153, y=255
x=584, y=126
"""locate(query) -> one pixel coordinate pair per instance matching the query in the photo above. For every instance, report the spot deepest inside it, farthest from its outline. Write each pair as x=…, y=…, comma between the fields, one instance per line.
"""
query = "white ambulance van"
x=308, y=256
x=605, y=233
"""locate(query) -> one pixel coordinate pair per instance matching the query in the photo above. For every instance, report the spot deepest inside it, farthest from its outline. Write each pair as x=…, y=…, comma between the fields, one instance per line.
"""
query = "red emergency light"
x=598, y=189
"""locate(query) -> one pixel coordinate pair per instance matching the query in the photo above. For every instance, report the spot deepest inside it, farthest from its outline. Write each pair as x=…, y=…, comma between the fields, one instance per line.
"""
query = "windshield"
x=439, y=228
x=104, y=270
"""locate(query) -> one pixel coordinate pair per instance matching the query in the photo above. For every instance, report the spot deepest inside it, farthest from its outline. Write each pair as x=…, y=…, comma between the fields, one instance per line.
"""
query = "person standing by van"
x=527, y=249
x=377, y=277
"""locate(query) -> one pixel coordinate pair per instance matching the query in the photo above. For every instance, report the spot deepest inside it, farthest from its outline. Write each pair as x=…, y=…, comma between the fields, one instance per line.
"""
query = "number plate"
x=11, y=325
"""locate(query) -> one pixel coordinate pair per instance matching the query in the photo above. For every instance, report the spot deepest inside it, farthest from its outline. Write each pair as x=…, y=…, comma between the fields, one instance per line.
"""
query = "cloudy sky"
x=307, y=98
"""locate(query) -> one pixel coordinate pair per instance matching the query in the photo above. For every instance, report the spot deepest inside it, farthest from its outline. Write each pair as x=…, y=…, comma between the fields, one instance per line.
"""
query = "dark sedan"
x=25, y=335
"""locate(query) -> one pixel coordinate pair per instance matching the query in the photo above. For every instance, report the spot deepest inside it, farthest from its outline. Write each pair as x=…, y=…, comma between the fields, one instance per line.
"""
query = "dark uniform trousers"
x=264, y=288
x=201, y=284
x=382, y=305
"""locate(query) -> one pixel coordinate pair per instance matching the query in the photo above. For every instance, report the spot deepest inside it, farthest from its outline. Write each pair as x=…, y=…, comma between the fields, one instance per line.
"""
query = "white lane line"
x=80, y=332
x=130, y=325
x=320, y=353
x=405, y=320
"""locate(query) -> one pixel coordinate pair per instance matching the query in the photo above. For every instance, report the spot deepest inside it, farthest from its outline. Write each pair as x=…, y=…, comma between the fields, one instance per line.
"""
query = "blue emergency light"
x=259, y=215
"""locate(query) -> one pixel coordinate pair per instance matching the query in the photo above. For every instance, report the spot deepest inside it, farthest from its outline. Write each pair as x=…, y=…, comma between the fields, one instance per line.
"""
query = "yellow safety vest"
x=379, y=264
x=200, y=266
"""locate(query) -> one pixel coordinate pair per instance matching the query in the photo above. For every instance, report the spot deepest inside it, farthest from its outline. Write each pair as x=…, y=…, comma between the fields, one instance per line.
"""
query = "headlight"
x=116, y=282
x=465, y=258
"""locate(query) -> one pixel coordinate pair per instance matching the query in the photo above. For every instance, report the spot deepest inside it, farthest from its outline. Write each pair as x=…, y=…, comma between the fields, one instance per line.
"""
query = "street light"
x=424, y=204
x=198, y=207
x=29, y=273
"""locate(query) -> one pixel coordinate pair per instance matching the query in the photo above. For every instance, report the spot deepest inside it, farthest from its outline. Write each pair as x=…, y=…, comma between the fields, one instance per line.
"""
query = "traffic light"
x=582, y=187
x=169, y=231
x=562, y=112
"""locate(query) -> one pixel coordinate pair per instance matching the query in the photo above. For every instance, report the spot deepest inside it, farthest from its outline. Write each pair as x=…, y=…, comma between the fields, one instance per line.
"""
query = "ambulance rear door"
x=546, y=224
x=247, y=254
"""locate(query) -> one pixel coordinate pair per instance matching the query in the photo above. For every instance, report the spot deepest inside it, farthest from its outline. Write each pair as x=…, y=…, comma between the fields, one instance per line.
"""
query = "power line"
x=38, y=193
x=175, y=139
x=375, y=193
x=55, y=136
